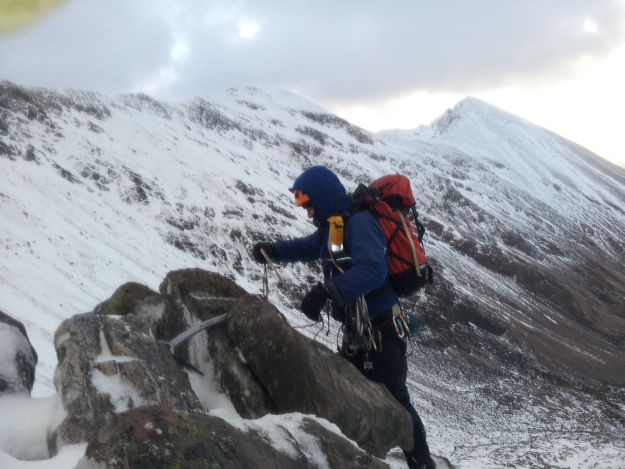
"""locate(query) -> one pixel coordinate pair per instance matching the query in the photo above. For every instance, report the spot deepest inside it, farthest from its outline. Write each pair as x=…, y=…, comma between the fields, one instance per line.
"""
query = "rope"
x=269, y=263
x=312, y=324
x=266, y=293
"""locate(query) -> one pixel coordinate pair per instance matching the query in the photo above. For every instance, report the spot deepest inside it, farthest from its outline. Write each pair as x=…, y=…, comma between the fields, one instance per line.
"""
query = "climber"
x=353, y=267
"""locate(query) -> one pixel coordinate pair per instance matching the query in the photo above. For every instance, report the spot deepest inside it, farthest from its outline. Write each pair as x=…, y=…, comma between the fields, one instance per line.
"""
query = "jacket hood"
x=327, y=193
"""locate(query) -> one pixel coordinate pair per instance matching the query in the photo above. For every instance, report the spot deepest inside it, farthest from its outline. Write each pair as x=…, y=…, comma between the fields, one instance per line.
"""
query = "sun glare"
x=247, y=29
x=179, y=51
x=590, y=26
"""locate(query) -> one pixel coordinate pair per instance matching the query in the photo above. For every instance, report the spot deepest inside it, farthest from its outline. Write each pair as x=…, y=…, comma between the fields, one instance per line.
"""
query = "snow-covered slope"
x=544, y=214
x=523, y=330
x=106, y=190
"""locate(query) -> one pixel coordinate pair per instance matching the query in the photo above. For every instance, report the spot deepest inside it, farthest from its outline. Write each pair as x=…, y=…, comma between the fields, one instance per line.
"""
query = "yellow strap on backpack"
x=335, y=238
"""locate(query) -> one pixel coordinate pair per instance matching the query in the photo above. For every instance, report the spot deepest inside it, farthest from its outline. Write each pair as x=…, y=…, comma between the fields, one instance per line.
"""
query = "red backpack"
x=390, y=200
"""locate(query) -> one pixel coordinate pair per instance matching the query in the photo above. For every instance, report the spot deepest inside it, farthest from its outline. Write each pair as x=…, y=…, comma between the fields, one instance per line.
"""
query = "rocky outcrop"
x=199, y=295
x=105, y=367
x=147, y=310
x=265, y=366
x=155, y=436
x=18, y=358
x=302, y=375
x=112, y=371
x=186, y=296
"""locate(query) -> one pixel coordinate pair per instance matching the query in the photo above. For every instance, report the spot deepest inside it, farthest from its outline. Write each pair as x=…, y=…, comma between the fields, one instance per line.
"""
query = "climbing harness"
x=358, y=332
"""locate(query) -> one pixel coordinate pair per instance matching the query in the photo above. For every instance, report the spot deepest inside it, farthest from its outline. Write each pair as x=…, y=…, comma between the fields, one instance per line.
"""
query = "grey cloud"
x=341, y=51
x=347, y=50
x=90, y=44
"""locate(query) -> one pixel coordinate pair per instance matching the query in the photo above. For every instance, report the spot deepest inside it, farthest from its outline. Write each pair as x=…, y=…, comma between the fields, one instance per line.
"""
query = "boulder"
x=105, y=367
x=144, y=308
x=18, y=358
x=130, y=298
x=211, y=284
x=187, y=296
x=156, y=436
x=301, y=375
x=198, y=295
x=256, y=358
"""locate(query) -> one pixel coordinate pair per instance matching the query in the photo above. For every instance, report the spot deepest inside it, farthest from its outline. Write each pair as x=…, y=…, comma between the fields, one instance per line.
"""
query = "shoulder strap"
x=412, y=247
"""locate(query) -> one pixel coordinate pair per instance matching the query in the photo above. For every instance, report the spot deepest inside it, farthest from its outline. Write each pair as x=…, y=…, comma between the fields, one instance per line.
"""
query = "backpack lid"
x=395, y=187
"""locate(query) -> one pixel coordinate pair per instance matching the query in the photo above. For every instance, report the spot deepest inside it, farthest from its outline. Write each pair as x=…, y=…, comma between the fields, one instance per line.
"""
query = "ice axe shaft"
x=194, y=329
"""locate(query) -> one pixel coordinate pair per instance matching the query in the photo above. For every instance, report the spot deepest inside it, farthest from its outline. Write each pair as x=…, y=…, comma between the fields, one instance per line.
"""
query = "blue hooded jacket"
x=364, y=241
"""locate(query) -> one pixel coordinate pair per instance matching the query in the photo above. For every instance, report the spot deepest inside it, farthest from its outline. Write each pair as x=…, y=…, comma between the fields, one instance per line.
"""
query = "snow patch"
x=204, y=385
x=205, y=388
x=122, y=395
x=25, y=423
x=153, y=312
x=285, y=433
x=67, y=457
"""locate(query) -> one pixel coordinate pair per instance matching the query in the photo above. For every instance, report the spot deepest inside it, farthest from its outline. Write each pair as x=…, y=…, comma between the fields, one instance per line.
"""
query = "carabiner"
x=399, y=328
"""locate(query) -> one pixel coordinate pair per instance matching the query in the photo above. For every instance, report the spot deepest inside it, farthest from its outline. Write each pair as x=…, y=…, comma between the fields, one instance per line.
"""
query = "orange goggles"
x=301, y=199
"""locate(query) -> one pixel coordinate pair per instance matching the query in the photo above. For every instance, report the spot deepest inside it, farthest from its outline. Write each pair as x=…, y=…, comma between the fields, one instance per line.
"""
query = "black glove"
x=267, y=247
x=313, y=302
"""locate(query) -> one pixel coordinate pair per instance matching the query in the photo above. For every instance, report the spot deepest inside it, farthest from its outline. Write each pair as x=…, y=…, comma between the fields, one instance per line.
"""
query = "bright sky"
x=558, y=63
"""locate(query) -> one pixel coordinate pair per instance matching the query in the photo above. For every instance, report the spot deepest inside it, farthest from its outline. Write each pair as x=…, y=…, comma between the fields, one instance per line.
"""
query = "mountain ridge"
x=127, y=188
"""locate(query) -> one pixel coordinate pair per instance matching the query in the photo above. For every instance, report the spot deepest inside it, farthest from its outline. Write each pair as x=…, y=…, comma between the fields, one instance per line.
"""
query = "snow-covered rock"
x=262, y=364
x=106, y=367
x=123, y=394
x=301, y=375
x=155, y=436
x=18, y=358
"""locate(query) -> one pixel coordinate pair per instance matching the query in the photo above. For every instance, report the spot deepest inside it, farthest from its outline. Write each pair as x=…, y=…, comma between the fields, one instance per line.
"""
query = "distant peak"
x=469, y=108
x=471, y=104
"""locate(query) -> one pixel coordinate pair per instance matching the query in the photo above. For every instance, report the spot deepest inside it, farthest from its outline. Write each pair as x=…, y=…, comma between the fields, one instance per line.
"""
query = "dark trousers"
x=390, y=368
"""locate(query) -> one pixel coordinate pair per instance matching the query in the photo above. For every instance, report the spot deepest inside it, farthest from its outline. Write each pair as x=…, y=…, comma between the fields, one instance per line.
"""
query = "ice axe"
x=194, y=328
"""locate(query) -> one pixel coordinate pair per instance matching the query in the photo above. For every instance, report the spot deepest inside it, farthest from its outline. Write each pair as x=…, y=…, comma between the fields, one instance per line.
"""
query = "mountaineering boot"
x=419, y=456
x=414, y=464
